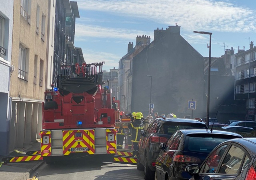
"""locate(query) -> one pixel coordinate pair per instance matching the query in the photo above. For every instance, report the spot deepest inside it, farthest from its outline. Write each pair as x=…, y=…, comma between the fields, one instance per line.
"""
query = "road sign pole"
x=192, y=112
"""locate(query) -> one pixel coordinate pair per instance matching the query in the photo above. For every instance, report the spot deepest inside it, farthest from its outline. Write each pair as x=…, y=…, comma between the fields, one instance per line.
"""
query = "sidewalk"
x=20, y=170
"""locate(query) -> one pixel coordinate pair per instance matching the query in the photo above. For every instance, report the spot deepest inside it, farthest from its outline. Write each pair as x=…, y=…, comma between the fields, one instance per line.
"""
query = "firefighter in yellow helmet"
x=172, y=115
x=135, y=128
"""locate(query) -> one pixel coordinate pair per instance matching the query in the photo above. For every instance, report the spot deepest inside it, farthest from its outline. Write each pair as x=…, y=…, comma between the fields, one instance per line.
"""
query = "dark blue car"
x=231, y=160
x=187, y=147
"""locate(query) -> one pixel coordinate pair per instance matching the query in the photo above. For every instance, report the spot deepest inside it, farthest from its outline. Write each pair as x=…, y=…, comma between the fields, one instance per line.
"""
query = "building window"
x=238, y=61
x=43, y=27
x=2, y=49
x=251, y=103
x=247, y=57
x=23, y=63
x=252, y=87
x=251, y=72
x=242, y=74
x=25, y=6
x=241, y=88
x=247, y=73
x=246, y=88
x=41, y=73
x=35, y=69
x=237, y=89
x=37, y=18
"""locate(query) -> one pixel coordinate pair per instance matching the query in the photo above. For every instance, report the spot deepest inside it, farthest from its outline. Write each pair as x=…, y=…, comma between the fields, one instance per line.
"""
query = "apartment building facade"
x=125, y=71
x=6, y=26
x=245, y=80
x=175, y=70
x=110, y=79
x=30, y=60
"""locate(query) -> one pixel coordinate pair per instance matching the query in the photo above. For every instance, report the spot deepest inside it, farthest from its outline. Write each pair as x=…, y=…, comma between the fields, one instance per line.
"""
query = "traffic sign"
x=151, y=106
x=192, y=105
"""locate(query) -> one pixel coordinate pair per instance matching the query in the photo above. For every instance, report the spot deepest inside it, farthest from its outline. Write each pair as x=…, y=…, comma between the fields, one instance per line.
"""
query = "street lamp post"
x=124, y=103
x=209, y=71
x=150, y=93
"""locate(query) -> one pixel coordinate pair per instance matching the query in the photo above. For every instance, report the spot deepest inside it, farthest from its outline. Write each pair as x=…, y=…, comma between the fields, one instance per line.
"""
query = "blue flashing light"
x=79, y=123
x=55, y=89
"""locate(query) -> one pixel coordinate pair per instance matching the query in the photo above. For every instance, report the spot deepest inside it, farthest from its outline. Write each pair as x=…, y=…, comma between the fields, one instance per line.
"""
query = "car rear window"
x=233, y=123
x=204, y=142
x=171, y=128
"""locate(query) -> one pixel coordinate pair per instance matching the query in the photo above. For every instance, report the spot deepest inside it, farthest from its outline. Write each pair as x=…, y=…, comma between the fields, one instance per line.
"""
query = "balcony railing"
x=22, y=74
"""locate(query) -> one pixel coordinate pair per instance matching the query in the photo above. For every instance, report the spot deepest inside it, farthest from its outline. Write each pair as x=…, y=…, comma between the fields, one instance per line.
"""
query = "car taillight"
x=154, y=139
x=163, y=140
x=185, y=158
x=251, y=174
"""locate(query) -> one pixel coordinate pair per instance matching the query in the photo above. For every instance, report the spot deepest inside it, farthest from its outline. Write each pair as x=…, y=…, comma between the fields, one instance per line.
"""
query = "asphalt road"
x=76, y=170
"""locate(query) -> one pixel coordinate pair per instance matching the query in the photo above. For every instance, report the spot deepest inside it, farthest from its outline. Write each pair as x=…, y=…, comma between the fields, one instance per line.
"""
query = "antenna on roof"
x=212, y=126
x=224, y=47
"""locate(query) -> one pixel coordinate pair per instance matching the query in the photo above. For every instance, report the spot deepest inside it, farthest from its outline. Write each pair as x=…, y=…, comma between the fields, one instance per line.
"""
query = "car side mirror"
x=162, y=146
x=192, y=169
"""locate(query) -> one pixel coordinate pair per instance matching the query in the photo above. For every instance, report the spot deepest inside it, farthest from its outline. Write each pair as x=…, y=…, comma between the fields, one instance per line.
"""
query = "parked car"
x=251, y=124
x=215, y=124
x=159, y=131
x=187, y=147
x=244, y=131
x=233, y=159
x=230, y=121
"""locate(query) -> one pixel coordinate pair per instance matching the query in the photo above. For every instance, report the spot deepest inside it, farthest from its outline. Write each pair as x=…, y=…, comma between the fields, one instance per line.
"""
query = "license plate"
x=79, y=149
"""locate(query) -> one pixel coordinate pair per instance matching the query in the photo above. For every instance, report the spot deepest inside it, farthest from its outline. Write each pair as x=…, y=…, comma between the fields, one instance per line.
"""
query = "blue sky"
x=105, y=27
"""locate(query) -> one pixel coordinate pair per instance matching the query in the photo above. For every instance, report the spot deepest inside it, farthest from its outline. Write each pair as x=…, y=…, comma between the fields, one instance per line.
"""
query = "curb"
x=37, y=166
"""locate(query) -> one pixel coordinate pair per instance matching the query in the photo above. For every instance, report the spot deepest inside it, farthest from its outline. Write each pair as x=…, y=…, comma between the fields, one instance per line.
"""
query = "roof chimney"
x=130, y=46
x=251, y=45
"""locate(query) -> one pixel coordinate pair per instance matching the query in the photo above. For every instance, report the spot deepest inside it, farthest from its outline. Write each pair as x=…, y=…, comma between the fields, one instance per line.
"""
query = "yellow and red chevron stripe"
x=123, y=153
x=32, y=153
x=111, y=145
x=86, y=140
x=26, y=158
x=45, y=148
x=126, y=160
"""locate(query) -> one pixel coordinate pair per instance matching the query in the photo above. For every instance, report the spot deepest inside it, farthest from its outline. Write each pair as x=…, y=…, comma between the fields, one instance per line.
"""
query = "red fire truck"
x=78, y=116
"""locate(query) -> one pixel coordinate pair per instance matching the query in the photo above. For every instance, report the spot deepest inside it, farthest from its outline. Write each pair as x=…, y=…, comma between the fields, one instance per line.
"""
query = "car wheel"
x=140, y=167
x=148, y=173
